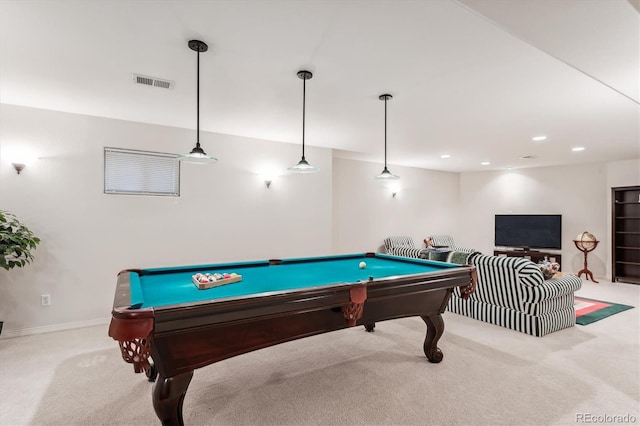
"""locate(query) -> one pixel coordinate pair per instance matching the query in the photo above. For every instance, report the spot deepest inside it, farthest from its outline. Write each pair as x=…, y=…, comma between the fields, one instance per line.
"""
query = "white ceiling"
x=476, y=79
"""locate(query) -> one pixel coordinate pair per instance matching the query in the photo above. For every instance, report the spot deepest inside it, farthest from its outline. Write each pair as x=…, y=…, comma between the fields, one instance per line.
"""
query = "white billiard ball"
x=363, y=265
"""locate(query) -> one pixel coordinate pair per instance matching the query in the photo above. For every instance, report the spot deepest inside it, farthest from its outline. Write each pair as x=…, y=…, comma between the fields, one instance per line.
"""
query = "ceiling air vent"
x=145, y=80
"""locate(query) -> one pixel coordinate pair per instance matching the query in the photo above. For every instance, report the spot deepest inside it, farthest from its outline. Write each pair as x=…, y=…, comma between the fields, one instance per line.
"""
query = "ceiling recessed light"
x=485, y=163
x=445, y=156
x=539, y=138
x=577, y=148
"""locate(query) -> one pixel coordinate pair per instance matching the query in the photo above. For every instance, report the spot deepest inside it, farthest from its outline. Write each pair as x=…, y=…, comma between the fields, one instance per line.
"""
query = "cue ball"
x=363, y=265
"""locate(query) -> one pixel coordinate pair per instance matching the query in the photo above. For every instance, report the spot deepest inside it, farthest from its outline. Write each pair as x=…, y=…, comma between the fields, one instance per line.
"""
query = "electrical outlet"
x=45, y=299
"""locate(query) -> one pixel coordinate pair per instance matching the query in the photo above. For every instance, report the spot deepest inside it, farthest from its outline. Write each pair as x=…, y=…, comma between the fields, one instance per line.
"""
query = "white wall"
x=364, y=211
x=224, y=213
x=581, y=193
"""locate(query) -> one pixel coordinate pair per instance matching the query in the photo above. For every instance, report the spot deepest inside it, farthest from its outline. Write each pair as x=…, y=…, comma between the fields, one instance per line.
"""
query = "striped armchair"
x=447, y=241
x=402, y=246
x=511, y=292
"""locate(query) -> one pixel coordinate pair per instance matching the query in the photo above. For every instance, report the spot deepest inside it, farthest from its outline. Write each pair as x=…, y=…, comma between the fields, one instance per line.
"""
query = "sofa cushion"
x=459, y=257
x=530, y=273
x=404, y=251
x=551, y=289
x=401, y=246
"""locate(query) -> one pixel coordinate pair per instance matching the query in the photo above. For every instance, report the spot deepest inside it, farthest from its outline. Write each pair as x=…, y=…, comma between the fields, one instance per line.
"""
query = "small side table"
x=580, y=246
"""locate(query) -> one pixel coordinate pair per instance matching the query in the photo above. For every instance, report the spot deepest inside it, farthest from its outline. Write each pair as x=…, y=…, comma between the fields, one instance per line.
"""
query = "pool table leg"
x=168, y=396
x=370, y=327
x=151, y=371
x=435, y=328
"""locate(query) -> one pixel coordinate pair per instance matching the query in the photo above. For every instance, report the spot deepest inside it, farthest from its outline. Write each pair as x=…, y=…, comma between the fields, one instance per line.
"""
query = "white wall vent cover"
x=153, y=81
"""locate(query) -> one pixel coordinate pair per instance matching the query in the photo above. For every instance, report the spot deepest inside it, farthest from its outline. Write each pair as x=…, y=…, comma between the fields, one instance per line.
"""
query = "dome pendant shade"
x=197, y=154
x=303, y=165
x=385, y=175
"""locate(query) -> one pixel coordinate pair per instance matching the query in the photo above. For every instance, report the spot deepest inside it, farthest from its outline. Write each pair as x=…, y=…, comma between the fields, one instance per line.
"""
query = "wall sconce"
x=268, y=175
x=18, y=167
x=395, y=188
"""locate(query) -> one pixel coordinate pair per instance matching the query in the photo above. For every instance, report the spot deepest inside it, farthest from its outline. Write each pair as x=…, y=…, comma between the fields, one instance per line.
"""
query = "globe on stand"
x=586, y=242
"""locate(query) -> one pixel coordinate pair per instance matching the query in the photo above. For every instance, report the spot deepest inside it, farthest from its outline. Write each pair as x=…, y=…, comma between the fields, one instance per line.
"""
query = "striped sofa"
x=512, y=293
x=447, y=241
x=402, y=246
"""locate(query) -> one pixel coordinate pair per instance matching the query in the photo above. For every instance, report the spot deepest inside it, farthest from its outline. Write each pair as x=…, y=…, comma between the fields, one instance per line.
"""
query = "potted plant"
x=16, y=243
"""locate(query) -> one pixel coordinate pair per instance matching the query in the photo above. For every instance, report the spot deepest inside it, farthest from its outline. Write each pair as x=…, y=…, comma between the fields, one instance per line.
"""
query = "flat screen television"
x=529, y=231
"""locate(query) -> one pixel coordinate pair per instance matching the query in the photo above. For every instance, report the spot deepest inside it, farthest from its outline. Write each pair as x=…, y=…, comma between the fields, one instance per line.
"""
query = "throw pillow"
x=440, y=255
x=548, y=269
x=458, y=257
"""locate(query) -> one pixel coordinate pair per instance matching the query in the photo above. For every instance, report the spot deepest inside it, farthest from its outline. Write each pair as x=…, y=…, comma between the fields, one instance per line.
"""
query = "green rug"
x=590, y=310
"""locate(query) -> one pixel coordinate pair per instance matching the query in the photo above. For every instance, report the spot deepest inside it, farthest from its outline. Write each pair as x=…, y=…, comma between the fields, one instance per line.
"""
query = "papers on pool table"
x=215, y=283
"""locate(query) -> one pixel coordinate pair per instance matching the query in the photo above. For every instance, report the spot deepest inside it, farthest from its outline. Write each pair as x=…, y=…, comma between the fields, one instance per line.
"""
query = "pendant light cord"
x=198, y=102
x=304, y=93
x=386, y=175
x=385, y=133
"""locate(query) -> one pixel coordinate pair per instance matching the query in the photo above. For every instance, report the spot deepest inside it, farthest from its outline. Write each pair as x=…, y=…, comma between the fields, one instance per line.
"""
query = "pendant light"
x=197, y=154
x=303, y=166
x=386, y=175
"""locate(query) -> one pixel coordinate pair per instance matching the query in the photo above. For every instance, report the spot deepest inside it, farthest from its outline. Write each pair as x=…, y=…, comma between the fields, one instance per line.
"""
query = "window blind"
x=135, y=172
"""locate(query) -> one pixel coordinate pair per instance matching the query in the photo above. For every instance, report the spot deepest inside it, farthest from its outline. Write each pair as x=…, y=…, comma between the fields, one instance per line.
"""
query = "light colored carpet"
x=489, y=376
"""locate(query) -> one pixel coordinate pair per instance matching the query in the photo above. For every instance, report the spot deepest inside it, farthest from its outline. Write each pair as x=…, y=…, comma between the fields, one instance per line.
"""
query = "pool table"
x=166, y=325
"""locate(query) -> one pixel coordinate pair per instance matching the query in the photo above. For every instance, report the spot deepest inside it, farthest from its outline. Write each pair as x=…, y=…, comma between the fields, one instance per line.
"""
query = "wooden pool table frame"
x=180, y=338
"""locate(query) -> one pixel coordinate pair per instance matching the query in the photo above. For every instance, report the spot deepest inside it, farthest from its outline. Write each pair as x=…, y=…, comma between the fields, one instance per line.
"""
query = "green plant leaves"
x=16, y=242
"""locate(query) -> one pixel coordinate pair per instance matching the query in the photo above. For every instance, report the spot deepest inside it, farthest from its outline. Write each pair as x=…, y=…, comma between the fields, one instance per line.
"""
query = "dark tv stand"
x=535, y=256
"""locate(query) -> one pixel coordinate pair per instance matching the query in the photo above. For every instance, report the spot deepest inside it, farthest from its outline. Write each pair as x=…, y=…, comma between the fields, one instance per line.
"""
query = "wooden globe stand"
x=579, y=246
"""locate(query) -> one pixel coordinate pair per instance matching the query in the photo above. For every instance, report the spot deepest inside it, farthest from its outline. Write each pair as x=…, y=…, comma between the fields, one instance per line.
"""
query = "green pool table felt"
x=168, y=286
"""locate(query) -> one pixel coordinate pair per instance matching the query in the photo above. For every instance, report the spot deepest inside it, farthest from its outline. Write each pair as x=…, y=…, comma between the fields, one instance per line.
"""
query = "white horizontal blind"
x=134, y=172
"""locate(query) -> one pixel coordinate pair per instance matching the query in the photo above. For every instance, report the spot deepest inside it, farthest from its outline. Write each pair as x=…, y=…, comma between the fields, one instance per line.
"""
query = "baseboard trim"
x=9, y=334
